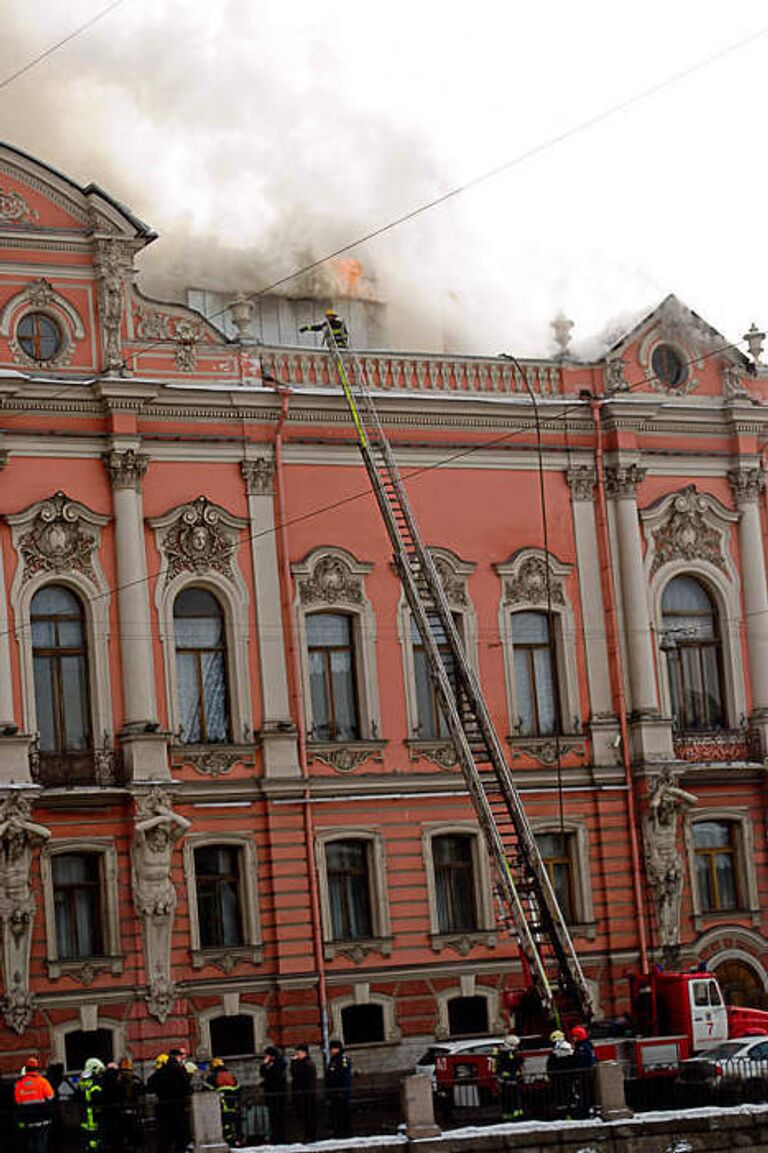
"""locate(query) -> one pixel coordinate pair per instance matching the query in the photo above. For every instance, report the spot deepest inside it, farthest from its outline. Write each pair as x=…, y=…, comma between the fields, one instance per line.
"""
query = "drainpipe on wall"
x=297, y=710
x=617, y=670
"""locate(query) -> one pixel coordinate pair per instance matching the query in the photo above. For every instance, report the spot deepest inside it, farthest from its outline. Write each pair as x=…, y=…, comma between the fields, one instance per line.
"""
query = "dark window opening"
x=80, y=1045
x=77, y=905
x=467, y=1016
x=556, y=854
x=362, y=1024
x=668, y=366
x=431, y=719
x=60, y=666
x=232, y=1036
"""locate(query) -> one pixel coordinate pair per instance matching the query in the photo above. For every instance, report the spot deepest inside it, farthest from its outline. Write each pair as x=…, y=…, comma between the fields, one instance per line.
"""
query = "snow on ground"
x=515, y=1127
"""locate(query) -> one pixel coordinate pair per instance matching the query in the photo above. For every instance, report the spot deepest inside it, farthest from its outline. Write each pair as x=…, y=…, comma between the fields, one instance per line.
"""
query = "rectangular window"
x=332, y=677
x=77, y=905
x=714, y=851
x=536, y=696
x=454, y=870
x=219, y=909
x=556, y=851
x=431, y=721
x=349, y=889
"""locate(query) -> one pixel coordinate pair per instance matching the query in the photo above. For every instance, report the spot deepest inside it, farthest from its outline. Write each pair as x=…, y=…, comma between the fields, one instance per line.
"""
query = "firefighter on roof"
x=333, y=328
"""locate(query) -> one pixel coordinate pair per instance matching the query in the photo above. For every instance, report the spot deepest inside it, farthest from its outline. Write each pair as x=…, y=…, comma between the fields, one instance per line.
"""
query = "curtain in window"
x=714, y=857
x=431, y=722
x=217, y=876
x=76, y=898
x=349, y=894
x=535, y=677
x=332, y=677
x=692, y=646
x=454, y=884
x=201, y=668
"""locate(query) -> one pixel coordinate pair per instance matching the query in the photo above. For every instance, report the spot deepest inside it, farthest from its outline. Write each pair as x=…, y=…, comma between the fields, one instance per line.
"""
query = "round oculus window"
x=39, y=336
x=668, y=366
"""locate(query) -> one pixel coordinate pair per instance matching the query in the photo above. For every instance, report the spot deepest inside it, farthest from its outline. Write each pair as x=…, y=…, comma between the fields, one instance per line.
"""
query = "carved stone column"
x=157, y=828
x=602, y=722
x=747, y=482
x=278, y=732
x=143, y=747
x=19, y=837
x=651, y=735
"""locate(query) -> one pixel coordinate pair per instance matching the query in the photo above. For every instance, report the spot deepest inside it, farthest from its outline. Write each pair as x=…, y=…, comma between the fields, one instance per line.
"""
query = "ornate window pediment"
x=524, y=578
x=198, y=538
x=331, y=577
x=688, y=526
x=57, y=536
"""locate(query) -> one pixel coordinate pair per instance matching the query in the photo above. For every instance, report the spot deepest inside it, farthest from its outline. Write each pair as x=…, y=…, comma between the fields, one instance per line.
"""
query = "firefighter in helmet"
x=334, y=329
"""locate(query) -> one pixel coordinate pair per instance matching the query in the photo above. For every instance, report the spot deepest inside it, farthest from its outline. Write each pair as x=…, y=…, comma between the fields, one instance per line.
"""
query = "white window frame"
x=349, y=599
x=363, y=996
x=563, y=625
x=251, y=950
x=84, y=968
x=744, y=865
x=485, y=933
x=381, y=939
x=578, y=834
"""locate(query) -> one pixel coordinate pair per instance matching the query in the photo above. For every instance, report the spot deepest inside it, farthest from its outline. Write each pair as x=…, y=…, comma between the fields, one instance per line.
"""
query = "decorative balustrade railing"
x=101, y=766
x=482, y=375
x=720, y=747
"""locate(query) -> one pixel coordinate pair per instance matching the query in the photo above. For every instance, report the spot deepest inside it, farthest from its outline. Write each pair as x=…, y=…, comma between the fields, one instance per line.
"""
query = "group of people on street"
x=570, y=1074
x=274, y=1072
x=110, y=1100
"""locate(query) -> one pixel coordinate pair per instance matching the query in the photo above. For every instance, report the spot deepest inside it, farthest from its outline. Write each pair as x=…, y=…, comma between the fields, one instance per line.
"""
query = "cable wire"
x=60, y=43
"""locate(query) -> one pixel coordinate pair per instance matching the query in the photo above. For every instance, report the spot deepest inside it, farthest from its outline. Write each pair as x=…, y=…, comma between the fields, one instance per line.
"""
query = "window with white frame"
x=201, y=667
x=79, y=882
x=333, y=676
x=431, y=721
x=353, y=893
x=715, y=851
x=453, y=861
x=690, y=640
x=221, y=874
x=537, y=694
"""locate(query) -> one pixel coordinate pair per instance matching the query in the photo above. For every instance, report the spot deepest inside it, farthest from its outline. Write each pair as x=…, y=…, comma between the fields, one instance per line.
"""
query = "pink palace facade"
x=228, y=809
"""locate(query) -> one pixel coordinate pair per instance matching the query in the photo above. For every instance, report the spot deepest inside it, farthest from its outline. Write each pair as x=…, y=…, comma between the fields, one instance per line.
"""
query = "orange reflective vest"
x=32, y=1089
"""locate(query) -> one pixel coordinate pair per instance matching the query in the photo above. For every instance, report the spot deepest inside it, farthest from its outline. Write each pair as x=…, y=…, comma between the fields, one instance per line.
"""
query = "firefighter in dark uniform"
x=91, y=1094
x=333, y=328
x=508, y=1067
x=224, y=1081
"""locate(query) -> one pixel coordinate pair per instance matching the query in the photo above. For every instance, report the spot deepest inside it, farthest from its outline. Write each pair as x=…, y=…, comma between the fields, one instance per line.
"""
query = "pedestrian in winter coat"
x=273, y=1078
x=584, y=1059
x=303, y=1091
x=33, y=1097
x=338, y=1089
x=508, y=1067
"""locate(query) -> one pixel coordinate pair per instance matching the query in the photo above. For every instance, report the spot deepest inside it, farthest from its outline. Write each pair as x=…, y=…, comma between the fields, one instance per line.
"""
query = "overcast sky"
x=249, y=134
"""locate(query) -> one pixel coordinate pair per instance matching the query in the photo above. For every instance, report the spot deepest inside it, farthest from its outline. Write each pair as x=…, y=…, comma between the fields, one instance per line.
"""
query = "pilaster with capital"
x=652, y=738
x=581, y=481
x=143, y=749
x=747, y=482
x=278, y=731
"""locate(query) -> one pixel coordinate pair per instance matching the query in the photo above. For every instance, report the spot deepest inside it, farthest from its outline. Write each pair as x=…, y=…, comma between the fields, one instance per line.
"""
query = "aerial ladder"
x=526, y=901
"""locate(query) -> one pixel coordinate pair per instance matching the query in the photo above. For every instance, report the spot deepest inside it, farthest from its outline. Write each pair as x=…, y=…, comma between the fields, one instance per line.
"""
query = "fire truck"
x=673, y=1014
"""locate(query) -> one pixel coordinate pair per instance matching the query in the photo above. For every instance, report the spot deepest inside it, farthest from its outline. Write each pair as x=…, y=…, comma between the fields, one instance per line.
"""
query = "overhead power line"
x=60, y=43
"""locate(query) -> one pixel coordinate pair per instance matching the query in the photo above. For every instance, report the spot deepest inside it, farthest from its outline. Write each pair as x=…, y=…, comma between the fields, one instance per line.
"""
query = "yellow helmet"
x=330, y=312
x=216, y=1063
x=557, y=1035
x=160, y=1060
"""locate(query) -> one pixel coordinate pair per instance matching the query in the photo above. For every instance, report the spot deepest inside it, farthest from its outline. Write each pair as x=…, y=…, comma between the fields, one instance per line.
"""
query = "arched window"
x=690, y=639
x=60, y=661
x=536, y=685
x=333, y=677
x=201, y=668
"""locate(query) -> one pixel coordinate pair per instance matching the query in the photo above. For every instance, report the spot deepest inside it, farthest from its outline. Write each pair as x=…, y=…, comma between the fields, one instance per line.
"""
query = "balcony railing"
x=102, y=766
x=477, y=375
x=720, y=746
